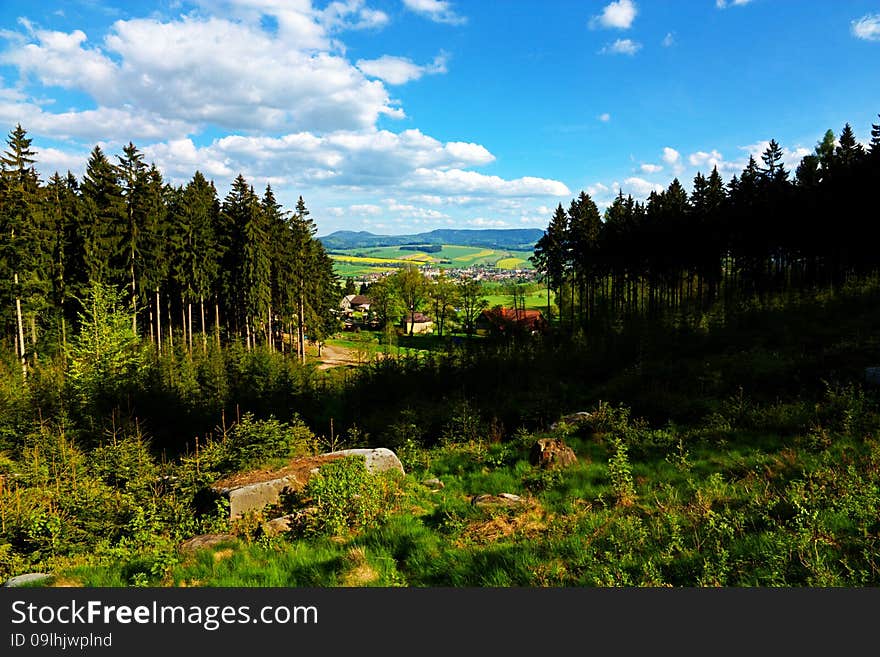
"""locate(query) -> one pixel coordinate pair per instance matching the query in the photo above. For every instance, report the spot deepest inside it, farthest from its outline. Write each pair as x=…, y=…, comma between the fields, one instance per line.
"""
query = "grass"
x=754, y=509
x=758, y=465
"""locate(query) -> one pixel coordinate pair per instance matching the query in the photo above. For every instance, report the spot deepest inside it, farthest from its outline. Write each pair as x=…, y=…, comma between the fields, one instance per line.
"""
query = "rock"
x=872, y=376
x=24, y=580
x=256, y=496
x=551, y=453
x=252, y=492
x=572, y=419
x=502, y=499
x=206, y=541
x=279, y=525
x=377, y=460
x=433, y=483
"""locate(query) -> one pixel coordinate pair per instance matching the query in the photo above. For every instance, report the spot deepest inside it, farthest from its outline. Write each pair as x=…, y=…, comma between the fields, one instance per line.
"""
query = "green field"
x=358, y=262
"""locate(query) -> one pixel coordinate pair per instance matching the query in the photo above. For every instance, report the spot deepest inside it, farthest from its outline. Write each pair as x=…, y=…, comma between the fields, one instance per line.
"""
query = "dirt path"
x=332, y=356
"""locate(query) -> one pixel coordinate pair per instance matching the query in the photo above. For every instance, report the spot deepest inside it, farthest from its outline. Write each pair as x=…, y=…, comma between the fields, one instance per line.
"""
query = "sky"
x=401, y=116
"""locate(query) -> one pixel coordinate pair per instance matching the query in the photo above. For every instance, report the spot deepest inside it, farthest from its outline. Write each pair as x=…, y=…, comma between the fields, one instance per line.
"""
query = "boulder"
x=206, y=541
x=251, y=492
x=501, y=499
x=572, y=419
x=433, y=483
x=377, y=460
x=24, y=580
x=551, y=453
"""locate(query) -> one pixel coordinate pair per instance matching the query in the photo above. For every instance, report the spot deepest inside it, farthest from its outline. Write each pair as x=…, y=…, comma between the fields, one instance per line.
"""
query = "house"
x=419, y=322
x=354, y=303
x=500, y=320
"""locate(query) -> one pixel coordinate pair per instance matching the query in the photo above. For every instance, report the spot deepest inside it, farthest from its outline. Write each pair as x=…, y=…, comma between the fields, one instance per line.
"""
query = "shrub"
x=344, y=496
x=620, y=472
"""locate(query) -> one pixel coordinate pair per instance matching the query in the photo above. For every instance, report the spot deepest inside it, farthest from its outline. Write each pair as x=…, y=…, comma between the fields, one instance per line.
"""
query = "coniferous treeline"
x=765, y=231
x=193, y=268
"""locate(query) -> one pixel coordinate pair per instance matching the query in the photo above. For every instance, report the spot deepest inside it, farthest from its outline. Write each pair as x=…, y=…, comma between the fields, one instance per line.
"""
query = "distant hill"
x=517, y=239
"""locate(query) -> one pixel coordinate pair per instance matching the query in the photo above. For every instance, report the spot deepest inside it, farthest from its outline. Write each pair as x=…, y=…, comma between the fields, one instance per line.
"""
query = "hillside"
x=517, y=239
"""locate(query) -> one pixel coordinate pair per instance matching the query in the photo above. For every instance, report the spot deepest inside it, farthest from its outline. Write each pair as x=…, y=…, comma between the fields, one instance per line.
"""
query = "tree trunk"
x=189, y=319
x=158, y=324
x=269, y=340
x=20, y=331
x=204, y=334
x=217, y=323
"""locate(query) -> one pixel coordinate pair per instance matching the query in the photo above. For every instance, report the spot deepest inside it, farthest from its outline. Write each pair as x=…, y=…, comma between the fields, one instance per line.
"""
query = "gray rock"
x=206, y=541
x=377, y=460
x=572, y=419
x=502, y=499
x=279, y=525
x=433, y=483
x=253, y=497
x=24, y=580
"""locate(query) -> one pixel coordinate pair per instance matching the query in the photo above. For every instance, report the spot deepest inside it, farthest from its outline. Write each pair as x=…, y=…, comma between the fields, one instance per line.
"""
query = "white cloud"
x=455, y=181
x=639, y=187
x=400, y=70
x=867, y=27
x=605, y=118
x=365, y=209
x=229, y=73
x=671, y=156
x=651, y=168
x=619, y=14
x=597, y=189
x=622, y=47
x=668, y=40
x=482, y=222
x=412, y=211
x=722, y=4
x=702, y=158
x=439, y=11
x=790, y=158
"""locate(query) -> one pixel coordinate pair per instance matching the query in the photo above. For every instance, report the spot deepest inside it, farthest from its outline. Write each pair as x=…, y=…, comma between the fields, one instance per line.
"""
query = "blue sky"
x=400, y=116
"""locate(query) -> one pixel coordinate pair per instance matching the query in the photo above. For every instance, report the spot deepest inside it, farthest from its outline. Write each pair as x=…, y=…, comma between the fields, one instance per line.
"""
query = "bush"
x=343, y=496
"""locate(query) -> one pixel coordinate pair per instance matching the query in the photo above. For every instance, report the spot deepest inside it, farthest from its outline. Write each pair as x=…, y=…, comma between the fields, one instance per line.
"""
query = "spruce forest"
x=720, y=347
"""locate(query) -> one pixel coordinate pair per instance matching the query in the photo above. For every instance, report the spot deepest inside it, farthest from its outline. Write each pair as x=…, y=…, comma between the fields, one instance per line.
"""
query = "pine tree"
x=103, y=221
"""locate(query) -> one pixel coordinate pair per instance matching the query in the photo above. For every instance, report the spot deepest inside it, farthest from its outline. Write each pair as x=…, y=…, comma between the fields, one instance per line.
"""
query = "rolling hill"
x=517, y=239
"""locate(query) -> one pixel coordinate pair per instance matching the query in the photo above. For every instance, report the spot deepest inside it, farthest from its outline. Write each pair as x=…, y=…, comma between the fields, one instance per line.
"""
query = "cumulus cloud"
x=651, y=168
x=672, y=157
x=622, y=47
x=639, y=187
x=867, y=27
x=605, y=118
x=454, y=181
x=400, y=70
x=790, y=157
x=723, y=4
x=439, y=11
x=668, y=40
x=235, y=75
x=619, y=15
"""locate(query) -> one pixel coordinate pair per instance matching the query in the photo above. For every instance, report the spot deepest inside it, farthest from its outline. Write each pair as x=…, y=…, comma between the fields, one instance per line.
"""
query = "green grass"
x=534, y=300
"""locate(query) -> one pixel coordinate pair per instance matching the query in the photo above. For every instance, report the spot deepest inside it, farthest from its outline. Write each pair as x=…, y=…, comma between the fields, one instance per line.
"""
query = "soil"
x=299, y=468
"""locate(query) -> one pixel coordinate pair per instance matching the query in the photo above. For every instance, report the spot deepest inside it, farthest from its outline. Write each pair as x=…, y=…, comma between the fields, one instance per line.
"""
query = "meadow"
x=362, y=261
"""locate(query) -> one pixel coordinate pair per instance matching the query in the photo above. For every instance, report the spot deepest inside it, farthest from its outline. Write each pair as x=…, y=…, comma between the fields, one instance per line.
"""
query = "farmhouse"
x=352, y=303
x=508, y=320
x=419, y=322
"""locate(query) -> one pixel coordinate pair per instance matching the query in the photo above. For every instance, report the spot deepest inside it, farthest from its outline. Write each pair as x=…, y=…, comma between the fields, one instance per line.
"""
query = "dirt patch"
x=529, y=522
x=299, y=468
